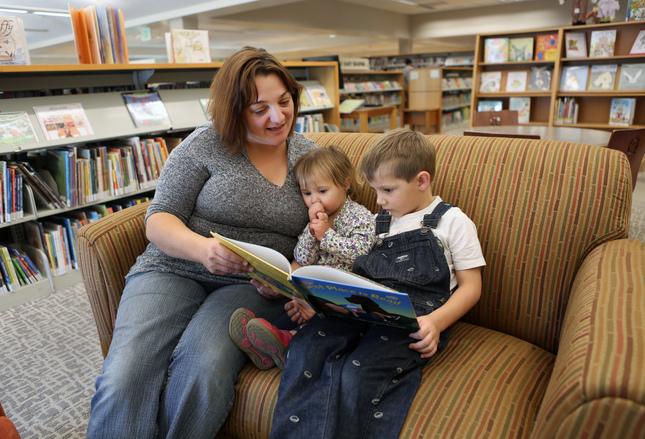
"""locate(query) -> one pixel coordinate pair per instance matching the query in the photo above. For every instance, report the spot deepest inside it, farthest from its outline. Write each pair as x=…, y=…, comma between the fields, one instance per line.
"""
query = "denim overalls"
x=347, y=379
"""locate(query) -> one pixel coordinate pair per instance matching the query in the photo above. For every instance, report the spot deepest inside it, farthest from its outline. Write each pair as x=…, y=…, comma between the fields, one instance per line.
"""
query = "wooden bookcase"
x=98, y=88
x=384, y=98
x=456, y=89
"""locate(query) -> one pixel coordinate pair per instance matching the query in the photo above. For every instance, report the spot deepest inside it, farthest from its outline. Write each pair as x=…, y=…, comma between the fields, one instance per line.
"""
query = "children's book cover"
x=638, y=48
x=65, y=120
x=16, y=129
x=146, y=109
x=632, y=77
x=546, y=47
x=489, y=105
x=602, y=77
x=13, y=41
x=521, y=49
x=490, y=82
x=496, y=50
x=636, y=10
x=539, y=79
x=574, y=78
x=190, y=46
x=602, y=43
x=622, y=111
x=328, y=290
x=575, y=45
x=516, y=81
x=522, y=106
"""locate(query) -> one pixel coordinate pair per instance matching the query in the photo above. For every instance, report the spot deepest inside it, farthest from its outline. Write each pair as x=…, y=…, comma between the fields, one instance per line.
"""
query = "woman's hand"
x=219, y=260
x=299, y=311
x=428, y=336
x=265, y=291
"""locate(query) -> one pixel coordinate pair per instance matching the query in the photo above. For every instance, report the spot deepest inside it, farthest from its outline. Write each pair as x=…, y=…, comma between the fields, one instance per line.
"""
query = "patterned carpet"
x=49, y=358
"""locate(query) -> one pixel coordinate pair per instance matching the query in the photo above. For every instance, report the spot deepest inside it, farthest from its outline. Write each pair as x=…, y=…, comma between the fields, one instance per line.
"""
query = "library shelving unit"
x=540, y=101
x=594, y=105
x=99, y=88
x=456, y=88
x=383, y=96
x=420, y=60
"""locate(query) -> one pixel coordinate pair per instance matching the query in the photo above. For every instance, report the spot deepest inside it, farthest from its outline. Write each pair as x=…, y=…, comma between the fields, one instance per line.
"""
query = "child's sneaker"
x=237, y=329
x=269, y=340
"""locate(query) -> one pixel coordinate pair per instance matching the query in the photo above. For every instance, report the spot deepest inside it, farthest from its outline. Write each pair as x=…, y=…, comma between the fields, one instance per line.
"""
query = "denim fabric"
x=171, y=368
x=345, y=379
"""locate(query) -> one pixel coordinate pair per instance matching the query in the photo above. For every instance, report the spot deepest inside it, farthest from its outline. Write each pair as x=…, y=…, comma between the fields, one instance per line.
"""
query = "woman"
x=172, y=367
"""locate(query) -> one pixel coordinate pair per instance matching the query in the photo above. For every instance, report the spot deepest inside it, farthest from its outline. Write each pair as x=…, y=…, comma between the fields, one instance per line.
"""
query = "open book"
x=328, y=290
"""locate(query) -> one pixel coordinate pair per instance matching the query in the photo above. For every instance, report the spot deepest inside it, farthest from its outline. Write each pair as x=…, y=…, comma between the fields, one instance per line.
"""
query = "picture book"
x=632, y=77
x=539, y=79
x=546, y=47
x=602, y=77
x=13, y=41
x=638, y=48
x=16, y=129
x=328, y=290
x=516, y=81
x=317, y=93
x=602, y=43
x=489, y=105
x=65, y=120
x=495, y=50
x=636, y=10
x=574, y=78
x=190, y=46
x=575, y=44
x=621, y=111
x=522, y=106
x=521, y=49
x=490, y=82
x=350, y=105
x=146, y=109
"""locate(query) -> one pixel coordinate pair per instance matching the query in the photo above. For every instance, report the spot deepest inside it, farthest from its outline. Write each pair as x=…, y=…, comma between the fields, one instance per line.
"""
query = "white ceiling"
x=288, y=27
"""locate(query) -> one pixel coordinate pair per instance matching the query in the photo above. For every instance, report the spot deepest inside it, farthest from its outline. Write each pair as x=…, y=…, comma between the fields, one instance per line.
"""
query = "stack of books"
x=99, y=34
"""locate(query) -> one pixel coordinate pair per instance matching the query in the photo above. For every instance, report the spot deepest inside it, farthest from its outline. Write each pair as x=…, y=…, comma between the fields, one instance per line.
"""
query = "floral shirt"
x=351, y=235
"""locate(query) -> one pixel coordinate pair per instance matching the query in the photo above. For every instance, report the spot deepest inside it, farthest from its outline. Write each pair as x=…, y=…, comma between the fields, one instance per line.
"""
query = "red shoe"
x=237, y=329
x=269, y=340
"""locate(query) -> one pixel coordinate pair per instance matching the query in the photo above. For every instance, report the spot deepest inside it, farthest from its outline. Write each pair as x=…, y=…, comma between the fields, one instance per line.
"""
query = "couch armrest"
x=106, y=251
x=597, y=387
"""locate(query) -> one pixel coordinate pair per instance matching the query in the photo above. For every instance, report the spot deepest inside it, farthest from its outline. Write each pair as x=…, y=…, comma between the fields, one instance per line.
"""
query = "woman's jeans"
x=171, y=368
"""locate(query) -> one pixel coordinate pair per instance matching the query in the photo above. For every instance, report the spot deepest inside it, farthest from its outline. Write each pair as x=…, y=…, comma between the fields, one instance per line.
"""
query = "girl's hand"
x=315, y=209
x=428, y=336
x=219, y=260
x=265, y=291
x=299, y=311
x=319, y=226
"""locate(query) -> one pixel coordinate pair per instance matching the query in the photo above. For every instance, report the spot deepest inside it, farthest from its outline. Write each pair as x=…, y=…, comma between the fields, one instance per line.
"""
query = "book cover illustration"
x=575, y=45
x=350, y=105
x=317, y=95
x=13, y=42
x=496, y=50
x=489, y=105
x=190, y=46
x=521, y=49
x=636, y=10
x=146, y=109
x=546, y=47
x=522, y=106
x=574, y=78
x=622, y=111
x=638, y=48
x=602, y=77
x=16, y=129
x=632, y=77
x=65, y=120
x=516, y=81
x=490, y=82
x=539, y=79
x=602, y=43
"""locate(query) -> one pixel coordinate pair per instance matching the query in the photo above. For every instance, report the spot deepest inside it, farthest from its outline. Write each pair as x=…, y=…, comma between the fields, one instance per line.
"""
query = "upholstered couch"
x=556, y=345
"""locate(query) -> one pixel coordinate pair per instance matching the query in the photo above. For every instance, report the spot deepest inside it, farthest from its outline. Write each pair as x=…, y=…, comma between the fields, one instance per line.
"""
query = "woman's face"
x=268, y=120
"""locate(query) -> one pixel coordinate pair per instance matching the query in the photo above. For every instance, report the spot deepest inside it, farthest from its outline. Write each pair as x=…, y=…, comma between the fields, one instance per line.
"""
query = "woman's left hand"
x=264, y=290
x=428, y=336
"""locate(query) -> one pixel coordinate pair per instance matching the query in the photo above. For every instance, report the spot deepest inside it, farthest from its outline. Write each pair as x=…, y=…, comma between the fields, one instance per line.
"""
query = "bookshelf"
x=420, y=60
x=456, y=88
x=383, y=96
x=98, y=89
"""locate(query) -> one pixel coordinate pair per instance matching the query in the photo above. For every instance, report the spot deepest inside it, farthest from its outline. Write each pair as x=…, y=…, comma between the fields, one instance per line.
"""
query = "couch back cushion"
x=540, y=207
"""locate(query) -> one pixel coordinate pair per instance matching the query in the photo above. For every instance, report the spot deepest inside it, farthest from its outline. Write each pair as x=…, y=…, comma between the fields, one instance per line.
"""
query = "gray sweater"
x=210, y=189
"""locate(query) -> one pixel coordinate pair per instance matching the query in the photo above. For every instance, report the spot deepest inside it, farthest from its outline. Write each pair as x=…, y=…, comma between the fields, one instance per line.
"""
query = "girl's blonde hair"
x=326, y=162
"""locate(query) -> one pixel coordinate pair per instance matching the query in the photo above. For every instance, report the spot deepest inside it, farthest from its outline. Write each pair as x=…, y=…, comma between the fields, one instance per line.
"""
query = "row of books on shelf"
x=455, y=117
x=379, y=123
x=602, y=77
x=381, y=100
x=536, y=79
x=11, y=207
x=621, y=111
x=455, y=100
x=310, y=123
x=420, y=60
x=456, y=82
x=601, y=44
x=17, y=270
x=99, y=34
x=314, y=95
x=520, y=49
x=520, y=104
x=362, y=86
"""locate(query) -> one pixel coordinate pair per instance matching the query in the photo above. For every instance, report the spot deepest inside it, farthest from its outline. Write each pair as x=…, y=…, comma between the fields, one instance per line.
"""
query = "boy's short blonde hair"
x=405, y=152
x=326, y=162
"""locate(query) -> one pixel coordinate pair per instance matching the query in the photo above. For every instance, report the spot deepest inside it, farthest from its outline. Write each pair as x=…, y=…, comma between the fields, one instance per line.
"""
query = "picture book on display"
x=146, y=109
x=13, y=41
x=521, y=49
x=489, y=105
x=635, y=10
x=328, y=290
x=638, y=48
x=574, y=78
x=602, y=77
x=539, y=79
x=16, y=129
x=495, y=50
x=65, y=120
x=522, y=106
x=546, y=47
x=516, y=81
x=575, y=45
x=188, y=46
x=632, y=77
x=622, y=111
x=490, y=82
x=602, y=43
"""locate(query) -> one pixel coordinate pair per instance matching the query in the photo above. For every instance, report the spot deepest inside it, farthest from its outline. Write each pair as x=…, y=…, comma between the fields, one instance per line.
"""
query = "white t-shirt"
x=457, y=234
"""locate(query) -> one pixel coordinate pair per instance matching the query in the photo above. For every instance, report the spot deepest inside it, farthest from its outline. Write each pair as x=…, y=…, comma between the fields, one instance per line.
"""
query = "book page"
x=65, y=120
x=146, y=109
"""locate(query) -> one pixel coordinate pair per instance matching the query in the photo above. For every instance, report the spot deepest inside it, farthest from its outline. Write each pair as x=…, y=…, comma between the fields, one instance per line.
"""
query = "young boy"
x=345, y=379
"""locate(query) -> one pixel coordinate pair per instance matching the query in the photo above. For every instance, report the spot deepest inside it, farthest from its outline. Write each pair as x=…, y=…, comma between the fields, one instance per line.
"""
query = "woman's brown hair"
x=233, y=90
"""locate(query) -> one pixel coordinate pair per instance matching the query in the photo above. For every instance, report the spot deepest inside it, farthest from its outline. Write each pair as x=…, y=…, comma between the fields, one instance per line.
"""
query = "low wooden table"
x=562, y=134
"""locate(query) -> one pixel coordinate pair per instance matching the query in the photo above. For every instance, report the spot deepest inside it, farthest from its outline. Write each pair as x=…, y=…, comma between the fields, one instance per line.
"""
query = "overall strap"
x=383, y=222
x=432, y=219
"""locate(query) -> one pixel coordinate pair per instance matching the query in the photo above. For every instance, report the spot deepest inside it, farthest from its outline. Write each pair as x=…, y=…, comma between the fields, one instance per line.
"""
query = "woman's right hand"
x=219, y=260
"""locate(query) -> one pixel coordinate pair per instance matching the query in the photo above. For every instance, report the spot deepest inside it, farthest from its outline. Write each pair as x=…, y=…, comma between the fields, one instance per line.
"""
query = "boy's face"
x=398, y=196
x=324, y=191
